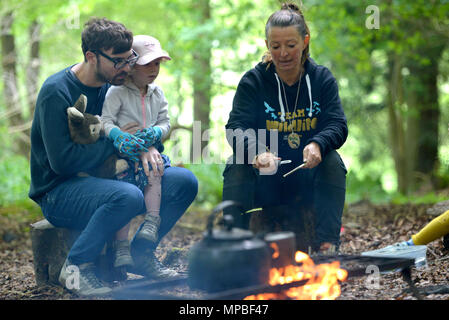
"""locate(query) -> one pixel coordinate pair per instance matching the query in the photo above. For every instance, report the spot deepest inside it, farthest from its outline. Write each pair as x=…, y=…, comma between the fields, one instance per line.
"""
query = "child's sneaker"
x=150, y=228
x=122, y=254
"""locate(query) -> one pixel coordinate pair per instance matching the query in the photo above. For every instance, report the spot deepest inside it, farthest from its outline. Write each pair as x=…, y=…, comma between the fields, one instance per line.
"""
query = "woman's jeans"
x=101, y=207
x=323, y=186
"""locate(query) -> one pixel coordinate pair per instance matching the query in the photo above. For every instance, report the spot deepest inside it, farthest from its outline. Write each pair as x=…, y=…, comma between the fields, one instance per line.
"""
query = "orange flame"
x=275, y=248
x=322, y=281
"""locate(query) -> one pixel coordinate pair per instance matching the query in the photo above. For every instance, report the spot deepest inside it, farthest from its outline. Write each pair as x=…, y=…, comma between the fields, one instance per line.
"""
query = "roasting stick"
x=297, y=168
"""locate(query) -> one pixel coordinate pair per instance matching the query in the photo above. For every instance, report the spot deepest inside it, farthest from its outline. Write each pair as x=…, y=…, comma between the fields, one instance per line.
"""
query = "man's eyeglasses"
x=120, y=62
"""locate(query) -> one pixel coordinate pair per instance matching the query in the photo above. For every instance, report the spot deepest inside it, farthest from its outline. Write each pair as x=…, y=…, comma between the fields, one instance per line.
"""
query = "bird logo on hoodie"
x=270, y=110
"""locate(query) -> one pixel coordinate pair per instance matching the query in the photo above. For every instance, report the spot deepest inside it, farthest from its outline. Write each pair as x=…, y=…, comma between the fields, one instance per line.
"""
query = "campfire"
x=322, y=280
x=233, y=264
x=306, y=279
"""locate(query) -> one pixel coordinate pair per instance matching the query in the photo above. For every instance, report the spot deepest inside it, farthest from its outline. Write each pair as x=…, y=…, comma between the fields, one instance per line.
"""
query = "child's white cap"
x=148, y=49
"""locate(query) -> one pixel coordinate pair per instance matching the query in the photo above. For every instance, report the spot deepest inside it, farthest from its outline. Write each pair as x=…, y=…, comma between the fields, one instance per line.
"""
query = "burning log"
x=318, y=282
x=241, y=293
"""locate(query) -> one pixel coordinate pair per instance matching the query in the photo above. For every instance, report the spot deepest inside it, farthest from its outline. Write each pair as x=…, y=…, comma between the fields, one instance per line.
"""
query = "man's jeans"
x=101, y=207
x=323, y=186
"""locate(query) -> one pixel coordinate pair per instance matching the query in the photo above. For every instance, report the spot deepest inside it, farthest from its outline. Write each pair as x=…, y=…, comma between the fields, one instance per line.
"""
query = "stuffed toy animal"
x=86, y=128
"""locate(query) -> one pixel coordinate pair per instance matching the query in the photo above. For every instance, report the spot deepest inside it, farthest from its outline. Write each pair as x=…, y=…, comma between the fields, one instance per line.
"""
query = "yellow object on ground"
x=435, y=229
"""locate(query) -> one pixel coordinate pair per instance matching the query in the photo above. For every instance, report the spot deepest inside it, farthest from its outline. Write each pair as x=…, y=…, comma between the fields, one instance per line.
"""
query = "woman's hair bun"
x=290, y=6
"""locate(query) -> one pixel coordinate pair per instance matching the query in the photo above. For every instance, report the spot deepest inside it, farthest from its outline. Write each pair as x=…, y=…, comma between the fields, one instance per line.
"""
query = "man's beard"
x=117, y=80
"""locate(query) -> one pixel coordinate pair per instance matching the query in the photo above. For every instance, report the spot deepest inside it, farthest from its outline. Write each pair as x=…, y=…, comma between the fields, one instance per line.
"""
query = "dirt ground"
x=366, y=227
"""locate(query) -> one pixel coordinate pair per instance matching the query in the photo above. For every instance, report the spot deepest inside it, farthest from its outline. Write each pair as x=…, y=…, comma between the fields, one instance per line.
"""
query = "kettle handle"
x=219, y=208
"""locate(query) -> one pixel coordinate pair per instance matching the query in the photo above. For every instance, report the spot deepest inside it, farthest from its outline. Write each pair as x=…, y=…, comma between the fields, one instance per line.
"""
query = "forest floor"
x=366, y=227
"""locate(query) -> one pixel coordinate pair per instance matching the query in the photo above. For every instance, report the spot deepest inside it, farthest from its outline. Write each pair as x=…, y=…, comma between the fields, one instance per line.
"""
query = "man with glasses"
x=97, y=207
x=120, y=63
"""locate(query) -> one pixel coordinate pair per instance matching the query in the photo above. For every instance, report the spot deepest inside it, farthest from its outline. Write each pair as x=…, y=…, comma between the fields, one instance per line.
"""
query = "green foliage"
x=14, y=172
x=234, y=33
x=210, y=184
x=368, y=188
x=14, y=179
x=22, y=212
x=371, y=189
x=428, y=198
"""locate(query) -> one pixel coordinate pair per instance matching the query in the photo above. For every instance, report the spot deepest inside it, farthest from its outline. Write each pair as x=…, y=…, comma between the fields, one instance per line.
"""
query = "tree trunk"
x=33, y=67
x=422, y=97
x=413, y=109
x=51, y=246
x=202, y=80
x=395, y=119
x=10, y=85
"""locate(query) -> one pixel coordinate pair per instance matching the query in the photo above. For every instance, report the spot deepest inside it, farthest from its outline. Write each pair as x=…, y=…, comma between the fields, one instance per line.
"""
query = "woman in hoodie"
x=288, y=108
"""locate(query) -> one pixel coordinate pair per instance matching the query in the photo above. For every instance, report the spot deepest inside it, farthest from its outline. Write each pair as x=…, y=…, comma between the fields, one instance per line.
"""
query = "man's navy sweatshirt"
x=55, y=158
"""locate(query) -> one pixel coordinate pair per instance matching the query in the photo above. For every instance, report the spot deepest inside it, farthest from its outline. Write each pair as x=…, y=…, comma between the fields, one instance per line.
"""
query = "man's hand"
x=311, y=155
x=152, y=157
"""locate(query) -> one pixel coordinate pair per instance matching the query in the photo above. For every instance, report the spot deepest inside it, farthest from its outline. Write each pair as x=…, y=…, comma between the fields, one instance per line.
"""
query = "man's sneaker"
x=81, y=279
x=149, y=266
x=122, y=255
x=150, y=228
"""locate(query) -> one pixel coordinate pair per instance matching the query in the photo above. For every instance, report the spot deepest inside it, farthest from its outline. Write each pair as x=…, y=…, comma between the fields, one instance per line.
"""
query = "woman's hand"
x=266, y=162
x=152, y=157
x=311, y=155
